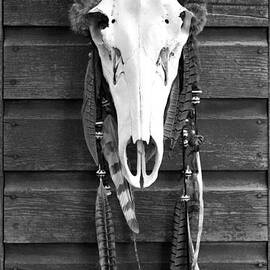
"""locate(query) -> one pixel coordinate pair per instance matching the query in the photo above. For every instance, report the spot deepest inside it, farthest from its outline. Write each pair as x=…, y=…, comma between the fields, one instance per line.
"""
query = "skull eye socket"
x=98, y=22
x=101, y=20
x=182, y=15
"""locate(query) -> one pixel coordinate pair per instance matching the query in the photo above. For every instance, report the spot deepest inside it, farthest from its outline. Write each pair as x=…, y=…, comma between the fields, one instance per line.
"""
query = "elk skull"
x=140, y=44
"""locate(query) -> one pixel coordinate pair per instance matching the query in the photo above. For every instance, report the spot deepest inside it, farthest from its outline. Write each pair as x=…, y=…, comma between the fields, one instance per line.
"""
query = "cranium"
x=140, y=44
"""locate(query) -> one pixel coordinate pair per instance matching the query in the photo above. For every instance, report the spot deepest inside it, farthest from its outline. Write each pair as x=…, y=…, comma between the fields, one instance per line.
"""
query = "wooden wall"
x=50, y=184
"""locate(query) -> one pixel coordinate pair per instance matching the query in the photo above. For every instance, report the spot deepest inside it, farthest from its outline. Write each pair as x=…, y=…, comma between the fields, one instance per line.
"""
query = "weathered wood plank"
x=38, y=137
x=86, y=180
x=58, y=73
x=234, y=63
x=68, y=216
x=55, y=13
x=237, y=13
x=41, y=208
x=1, y=138
x=70, y=109
x=229, y=256
x=268, y=250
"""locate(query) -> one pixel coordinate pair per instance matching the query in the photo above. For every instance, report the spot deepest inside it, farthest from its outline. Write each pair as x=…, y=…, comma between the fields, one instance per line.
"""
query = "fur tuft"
x=199, y=19
x=78, y=15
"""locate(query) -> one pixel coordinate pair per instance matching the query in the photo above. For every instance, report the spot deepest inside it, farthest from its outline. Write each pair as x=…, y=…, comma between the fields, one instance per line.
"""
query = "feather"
x=109, y=145
x=180, y=245
x=189, y=79
x=172, y=106
x=105, y=231
x=88, y=111
x=180, y=100
x=136, y=251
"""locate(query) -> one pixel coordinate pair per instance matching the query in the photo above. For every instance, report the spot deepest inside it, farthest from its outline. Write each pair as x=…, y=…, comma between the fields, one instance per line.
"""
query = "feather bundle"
x=105, y=231
x=180, y=243
x=179, y=104
x=109, y=145
x=181, y=94
x=91, y=89
x=184, y=255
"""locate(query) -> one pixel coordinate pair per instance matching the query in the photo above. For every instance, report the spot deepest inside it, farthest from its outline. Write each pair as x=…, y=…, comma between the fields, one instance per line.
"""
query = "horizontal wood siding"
x=44, y=208
x=241, y=256
x=54, y=140
x=50, y=183
x=54, y=13
x=234, y=63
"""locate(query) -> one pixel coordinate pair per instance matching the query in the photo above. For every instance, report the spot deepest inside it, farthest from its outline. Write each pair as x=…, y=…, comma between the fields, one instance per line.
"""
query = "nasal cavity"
x=182, y=15
x=131, y=151
x=141, y=152
x=150, y=153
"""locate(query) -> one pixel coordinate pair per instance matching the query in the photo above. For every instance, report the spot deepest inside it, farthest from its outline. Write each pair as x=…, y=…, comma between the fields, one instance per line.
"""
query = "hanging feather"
x=180, y=100
x=179, y=105
x=109, y=145
x=136, y=252
x=190, y=76
x=172, y=104
x=180, y=244
x=105, y=231
x=183, y=252
x=91, y=88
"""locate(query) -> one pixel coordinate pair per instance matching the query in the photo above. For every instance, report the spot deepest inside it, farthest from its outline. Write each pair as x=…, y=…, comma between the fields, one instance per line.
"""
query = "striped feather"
x=190, y=77
x=180, y=245
x=173, y=103
x=91, y=88
x=180, y=100
x=105, y=231
x=110, y=151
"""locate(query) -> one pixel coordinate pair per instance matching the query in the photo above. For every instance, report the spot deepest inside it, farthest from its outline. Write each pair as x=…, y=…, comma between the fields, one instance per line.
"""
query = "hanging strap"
x=201, y=210
x=194, y=254
x=193, y=176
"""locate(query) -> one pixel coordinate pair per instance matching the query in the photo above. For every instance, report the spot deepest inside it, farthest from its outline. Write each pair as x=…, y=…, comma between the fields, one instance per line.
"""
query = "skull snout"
x=144, y=151
x=143, y=124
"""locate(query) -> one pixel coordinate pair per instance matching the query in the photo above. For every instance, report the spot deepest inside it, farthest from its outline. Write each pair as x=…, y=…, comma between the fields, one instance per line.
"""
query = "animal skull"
x=140, y=44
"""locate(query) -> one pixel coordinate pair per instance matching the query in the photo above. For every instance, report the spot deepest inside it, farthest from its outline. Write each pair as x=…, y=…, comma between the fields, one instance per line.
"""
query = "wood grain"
x=1, y=137
x=70, y=109
x=229, y=256
x=50, y=183
x=86, y=180
x=51, y=63
x=55, y=13
x=268, y=250
x=42, y=208
x=35, y=140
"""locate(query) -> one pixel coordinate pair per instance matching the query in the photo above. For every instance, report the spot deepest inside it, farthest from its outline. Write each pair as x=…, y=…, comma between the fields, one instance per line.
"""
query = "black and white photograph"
x=134, y=135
